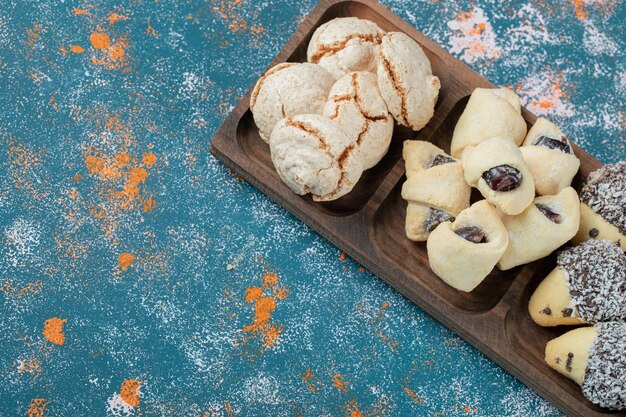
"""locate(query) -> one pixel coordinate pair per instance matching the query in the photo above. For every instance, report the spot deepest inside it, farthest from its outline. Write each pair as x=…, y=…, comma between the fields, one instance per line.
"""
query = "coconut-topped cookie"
x=344, y=45
x=603, y=205
x=287, y=90
x=595, y=358
x=588, y=285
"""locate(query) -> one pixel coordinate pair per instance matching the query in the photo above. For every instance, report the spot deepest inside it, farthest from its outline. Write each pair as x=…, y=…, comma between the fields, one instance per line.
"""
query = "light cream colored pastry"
x=344, y=45
x=496, y=167
x=462, y=253
x=588, y=285
x=286, y=90
x=312, y=154
x=406, y=80
x=435, y=188
x=489, y=112
x=594, y=358
x=355, y=103
x=603, y=205
x=550, y=157
x=543, y=227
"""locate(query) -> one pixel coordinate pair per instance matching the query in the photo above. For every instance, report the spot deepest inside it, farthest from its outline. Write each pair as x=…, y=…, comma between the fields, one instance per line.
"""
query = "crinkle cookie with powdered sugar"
x=605, y=375
x=605, y=193
x=596, y=275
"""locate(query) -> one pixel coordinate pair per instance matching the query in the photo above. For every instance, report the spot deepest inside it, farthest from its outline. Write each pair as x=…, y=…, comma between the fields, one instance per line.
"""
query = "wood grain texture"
x=368, y=223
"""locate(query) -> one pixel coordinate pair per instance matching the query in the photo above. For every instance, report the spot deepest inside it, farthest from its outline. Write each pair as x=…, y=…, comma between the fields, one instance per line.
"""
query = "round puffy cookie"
x=496, y=167
x=594, y=358
x=588, y=285
x=344, y=45
x=355, y=103
x=286, y=90
x=406, y=80
x=603, y=205
x=312, y=154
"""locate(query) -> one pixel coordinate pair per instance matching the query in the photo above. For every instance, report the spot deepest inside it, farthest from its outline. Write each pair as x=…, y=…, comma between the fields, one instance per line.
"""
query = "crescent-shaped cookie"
x=406, y=81
x=594, y=358
x=543, y=227
x=588, y=285
x=435, y=188
x=496, y=167
x=312, y=154
x=355, y=103
x=462, y=253
x=287, y=90
x=344, y=45
x=603, y=205
x=550, y=157
x=489, y=112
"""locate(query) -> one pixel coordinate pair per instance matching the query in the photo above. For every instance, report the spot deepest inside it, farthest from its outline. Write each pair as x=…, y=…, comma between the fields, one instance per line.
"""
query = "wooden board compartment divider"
x=368, y=223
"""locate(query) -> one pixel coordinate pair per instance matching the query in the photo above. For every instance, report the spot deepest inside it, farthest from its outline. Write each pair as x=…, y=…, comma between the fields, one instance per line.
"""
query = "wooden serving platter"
x=368, y=223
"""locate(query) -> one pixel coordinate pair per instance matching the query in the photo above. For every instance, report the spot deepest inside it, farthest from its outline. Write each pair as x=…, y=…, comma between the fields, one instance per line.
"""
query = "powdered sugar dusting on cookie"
x=605, y=194
x=596, y=275
x=605, y=376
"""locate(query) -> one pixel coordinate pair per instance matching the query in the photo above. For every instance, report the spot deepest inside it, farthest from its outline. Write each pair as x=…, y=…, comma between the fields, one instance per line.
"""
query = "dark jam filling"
x=551, y=215
x=441, y=160
x=551, y=143
x=434, y=218
x=473, y=234
x=503, y=178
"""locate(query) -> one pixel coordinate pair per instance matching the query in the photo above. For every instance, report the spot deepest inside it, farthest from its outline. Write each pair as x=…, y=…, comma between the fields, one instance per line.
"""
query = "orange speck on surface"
x=269, y=279
x=361, y=269
x=77, y=178
x=138, y=175
x=339, y=383
x=253, y=294
x=94, y=164
x=465, y=16
x=53, y=330
x=116, y=52
x=148, y=159
x=37, y=407
x=77, y=49
x=544, y=104
x=80, y=12
x=122, y=159
x=356, y=413
x=130, y=392
x=31, y=366
x=414, y=396
x=148, y=205
x=100, y=40
x=342, y=257
x=125, y=260
x=308, y=375
x=115, y=17
x=579, y=9
x=150, y=30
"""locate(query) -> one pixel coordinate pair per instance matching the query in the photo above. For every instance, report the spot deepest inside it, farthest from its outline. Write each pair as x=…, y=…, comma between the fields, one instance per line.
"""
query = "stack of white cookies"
x=529, y=210
x=329, y=119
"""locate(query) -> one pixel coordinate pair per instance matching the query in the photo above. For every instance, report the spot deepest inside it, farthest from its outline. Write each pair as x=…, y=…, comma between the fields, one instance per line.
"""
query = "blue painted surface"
x=79, y=188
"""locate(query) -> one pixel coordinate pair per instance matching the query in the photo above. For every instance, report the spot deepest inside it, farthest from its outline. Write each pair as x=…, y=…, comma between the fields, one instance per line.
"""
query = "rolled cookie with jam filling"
x=603, y=205
x=496, y=167
x=595, y=358
x=542, y=228
x=435, y=189
x=463, y=253
x=550, y=157
x=588, y=285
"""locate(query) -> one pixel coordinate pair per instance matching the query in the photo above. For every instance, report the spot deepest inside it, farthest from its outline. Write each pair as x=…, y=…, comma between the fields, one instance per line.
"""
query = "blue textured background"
x=339, y=341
